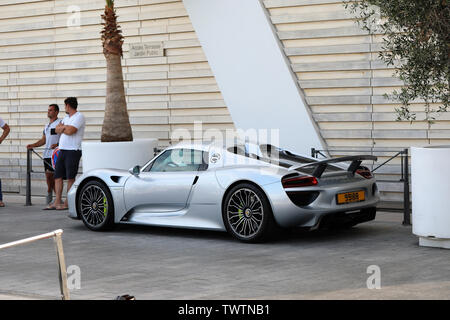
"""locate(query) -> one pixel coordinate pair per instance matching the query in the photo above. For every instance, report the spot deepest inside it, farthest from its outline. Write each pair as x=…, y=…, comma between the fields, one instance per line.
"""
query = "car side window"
x=176, y=160
x=160, y=161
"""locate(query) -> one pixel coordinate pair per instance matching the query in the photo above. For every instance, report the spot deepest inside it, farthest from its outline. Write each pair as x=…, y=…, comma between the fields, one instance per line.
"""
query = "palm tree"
x=116, y=124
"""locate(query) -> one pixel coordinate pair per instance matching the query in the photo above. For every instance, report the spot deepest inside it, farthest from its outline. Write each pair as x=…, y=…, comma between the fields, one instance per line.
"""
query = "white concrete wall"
x=251, y=70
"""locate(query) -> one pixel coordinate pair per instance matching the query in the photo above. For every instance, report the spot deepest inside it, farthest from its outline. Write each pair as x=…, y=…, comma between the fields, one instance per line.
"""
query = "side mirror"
x=135, y=171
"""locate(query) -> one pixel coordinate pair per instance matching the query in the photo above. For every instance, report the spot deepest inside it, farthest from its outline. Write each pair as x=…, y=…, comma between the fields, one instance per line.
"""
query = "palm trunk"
x=116, y=123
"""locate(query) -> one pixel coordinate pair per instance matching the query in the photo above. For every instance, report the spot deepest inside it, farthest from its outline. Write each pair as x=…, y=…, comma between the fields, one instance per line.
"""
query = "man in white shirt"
x=51, y=139
x=71, y=129
x=5, y=133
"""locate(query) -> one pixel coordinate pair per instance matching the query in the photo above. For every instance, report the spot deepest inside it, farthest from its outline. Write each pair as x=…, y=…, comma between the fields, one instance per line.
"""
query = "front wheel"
x=95, y=206
x=247, y=214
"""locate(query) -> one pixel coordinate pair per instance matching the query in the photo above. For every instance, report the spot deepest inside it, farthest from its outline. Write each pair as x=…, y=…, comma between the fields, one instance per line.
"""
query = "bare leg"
x=50, y=186
x=69, y=185
x=58, y=191
x=50, y=181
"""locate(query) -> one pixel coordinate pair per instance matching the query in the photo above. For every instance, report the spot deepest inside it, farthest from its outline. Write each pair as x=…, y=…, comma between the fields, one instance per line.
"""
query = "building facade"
x=50, y=50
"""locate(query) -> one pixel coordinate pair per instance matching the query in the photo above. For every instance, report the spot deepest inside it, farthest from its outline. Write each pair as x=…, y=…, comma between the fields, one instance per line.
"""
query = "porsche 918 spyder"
x=249, y=190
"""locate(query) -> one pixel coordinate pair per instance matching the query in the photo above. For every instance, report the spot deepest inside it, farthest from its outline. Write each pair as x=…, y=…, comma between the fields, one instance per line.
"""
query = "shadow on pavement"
x=292, y=235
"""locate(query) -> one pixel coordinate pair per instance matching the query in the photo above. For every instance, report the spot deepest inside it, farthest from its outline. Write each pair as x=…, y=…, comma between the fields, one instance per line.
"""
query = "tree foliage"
x=112, y=38
x=417, y=41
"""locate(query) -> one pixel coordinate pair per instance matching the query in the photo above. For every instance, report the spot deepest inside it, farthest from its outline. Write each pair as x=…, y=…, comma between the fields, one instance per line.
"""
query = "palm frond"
x=110, y=3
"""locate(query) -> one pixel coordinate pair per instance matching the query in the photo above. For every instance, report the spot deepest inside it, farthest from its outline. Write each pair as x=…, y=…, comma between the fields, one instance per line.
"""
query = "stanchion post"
x=28, y=182
x=61, y=266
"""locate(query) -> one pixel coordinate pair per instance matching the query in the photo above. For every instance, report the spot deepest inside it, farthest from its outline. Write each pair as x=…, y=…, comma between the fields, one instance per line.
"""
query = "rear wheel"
x=95, y=206
x=247, y=214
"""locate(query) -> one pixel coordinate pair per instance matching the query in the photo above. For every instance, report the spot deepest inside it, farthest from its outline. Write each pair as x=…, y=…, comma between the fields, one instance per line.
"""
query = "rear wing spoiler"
x=321, y=165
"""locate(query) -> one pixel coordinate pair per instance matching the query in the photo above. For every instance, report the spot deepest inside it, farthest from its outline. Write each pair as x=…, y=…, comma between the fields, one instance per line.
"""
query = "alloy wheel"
x=245, y=212
x=94, y=205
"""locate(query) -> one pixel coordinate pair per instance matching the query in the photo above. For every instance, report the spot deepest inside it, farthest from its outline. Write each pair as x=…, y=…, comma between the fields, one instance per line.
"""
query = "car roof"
x=203, y=145
x=207, y=145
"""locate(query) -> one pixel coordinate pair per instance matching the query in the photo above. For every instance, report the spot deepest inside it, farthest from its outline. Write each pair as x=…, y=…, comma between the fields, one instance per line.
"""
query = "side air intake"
x=116, y=179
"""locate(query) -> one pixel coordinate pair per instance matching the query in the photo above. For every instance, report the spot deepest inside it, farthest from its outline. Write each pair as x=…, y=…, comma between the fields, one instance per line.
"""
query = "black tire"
x=251, y=221
x=95, y=206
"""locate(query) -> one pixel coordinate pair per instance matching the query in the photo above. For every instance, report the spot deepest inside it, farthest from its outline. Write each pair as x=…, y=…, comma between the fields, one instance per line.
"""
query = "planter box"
x=430, y=186
x=117, y=155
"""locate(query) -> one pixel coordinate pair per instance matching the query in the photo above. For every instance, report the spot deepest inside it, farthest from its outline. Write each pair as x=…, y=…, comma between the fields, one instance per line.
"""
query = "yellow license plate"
x=350, y=197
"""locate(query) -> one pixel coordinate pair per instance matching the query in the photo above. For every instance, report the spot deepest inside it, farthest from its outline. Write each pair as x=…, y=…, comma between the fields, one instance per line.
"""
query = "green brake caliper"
x=240, y=214
x=105, y=206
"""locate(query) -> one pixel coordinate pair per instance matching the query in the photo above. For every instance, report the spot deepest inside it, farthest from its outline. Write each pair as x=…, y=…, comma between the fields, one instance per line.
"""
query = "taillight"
x=299, y=181
x=365, y=172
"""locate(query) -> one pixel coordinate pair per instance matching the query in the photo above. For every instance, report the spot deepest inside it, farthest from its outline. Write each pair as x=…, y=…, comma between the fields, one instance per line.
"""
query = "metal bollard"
x=28, y=185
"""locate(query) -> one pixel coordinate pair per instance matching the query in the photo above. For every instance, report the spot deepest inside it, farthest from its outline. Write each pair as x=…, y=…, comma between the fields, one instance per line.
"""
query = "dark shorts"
x=67, y=164
x=48, y=165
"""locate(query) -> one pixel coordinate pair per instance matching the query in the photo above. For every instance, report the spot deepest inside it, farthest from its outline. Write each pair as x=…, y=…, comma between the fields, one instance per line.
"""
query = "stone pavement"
x=165, y=263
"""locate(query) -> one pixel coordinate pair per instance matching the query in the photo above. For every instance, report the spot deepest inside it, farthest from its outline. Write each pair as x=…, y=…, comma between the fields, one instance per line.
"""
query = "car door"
x=165, y=185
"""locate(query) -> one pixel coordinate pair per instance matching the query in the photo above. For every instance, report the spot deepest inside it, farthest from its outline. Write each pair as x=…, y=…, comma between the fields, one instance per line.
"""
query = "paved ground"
x=162, y=263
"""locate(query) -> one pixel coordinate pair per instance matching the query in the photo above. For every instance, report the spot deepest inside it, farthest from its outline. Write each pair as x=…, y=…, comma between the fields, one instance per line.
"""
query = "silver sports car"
x=249, y=190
